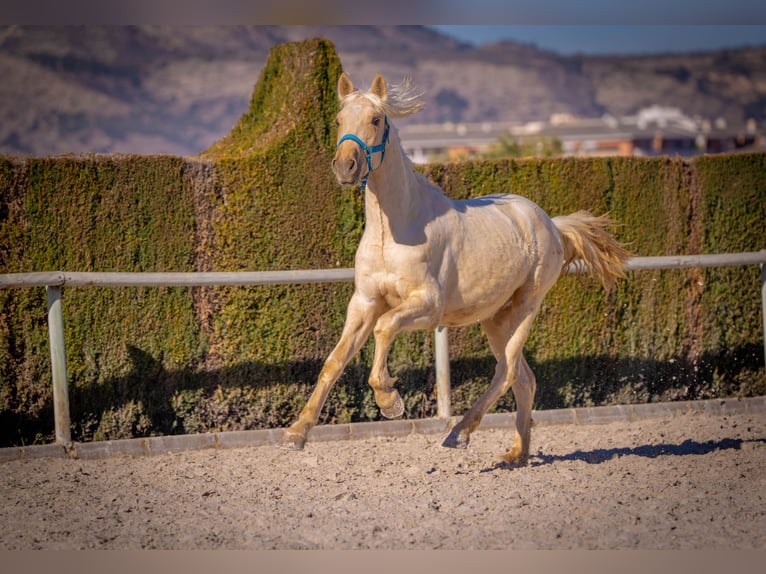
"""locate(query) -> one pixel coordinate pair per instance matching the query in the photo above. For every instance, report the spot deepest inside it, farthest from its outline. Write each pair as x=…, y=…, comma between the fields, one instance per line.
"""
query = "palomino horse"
x=425, y=261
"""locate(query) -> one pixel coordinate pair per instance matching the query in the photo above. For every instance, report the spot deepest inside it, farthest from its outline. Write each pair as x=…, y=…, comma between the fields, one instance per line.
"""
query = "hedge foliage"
x=157, y=361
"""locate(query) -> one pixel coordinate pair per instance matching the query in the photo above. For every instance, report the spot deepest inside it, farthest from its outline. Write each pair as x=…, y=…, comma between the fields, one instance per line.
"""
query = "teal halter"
x=381, y=147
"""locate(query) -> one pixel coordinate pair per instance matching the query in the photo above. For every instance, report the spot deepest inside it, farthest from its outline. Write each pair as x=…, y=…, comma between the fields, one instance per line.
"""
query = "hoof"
x=513, y=459
x=501, y=464
x=395, y=409
x=456, y=439
x=291, y=441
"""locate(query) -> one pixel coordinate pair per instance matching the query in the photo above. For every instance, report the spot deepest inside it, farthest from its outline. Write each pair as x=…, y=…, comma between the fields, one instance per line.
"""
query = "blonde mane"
x=402, y=100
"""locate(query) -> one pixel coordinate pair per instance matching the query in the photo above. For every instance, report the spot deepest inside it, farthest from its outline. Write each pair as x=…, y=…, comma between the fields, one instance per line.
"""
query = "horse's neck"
x=395, y=200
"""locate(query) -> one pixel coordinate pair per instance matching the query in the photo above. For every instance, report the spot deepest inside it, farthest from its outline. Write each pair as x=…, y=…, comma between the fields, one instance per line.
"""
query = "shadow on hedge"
x=151, y=400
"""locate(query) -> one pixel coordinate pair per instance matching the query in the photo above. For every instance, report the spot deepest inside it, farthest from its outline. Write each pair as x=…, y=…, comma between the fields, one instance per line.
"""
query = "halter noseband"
x=381, y=147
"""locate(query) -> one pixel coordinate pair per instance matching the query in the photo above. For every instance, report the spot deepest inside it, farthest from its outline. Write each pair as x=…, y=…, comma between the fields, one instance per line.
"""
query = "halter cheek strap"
x=380, y=148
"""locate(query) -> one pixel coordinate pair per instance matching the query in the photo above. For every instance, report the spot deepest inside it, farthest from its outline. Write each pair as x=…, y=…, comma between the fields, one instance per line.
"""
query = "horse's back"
x=515, y=217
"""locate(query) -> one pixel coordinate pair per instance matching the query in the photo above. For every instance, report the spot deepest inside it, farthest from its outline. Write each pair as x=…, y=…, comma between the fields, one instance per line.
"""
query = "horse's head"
x=362, y=130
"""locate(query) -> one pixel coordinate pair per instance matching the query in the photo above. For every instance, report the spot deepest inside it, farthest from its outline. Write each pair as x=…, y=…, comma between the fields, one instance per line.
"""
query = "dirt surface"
x=692, y=481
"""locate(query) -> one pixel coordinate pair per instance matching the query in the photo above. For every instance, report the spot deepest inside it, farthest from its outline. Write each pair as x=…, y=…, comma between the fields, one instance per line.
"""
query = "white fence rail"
x=54, y=282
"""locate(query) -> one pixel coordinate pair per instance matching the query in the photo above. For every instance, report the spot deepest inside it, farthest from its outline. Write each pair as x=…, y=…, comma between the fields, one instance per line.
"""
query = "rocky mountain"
x=177, y=89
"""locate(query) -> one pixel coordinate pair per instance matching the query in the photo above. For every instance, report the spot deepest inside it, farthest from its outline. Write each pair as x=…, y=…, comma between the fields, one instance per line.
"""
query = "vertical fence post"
x=763, y=308
x=58, y=366
x=441, y=357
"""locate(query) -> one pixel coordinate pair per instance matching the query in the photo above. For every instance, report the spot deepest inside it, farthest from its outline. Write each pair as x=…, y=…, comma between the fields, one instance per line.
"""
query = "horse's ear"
x=379, y=86
x=345, y=87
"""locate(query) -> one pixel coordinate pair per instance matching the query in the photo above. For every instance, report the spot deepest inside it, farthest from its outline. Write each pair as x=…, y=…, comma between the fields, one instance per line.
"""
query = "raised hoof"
x=395, y=409
x=456, y=439
x=291, y=441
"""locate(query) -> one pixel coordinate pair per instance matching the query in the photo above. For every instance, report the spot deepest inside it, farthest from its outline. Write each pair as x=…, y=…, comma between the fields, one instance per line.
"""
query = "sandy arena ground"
x=692, y=481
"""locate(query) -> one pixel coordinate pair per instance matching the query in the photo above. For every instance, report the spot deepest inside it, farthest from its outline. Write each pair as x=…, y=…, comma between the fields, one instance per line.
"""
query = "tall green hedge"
x=125, y=347
x=732, y=198
x=157, y=361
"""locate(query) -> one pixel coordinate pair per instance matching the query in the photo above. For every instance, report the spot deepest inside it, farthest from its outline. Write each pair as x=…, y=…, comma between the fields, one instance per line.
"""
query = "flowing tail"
x=585, y=238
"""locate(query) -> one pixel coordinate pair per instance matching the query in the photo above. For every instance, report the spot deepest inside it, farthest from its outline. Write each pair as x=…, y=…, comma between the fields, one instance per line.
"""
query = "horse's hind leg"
x=507, y=333
x=523, y=385
x=524, y=393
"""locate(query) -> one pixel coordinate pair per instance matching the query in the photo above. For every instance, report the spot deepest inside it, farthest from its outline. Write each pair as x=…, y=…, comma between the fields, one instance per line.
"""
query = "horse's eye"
x=337, y=122
x=376, y=121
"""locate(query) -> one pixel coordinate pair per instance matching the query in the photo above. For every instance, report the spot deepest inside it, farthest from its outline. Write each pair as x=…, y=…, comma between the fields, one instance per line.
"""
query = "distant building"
x=652, y=131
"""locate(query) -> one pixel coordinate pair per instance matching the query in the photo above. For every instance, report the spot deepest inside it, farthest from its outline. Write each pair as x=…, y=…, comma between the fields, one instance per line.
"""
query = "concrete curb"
x=355, y=431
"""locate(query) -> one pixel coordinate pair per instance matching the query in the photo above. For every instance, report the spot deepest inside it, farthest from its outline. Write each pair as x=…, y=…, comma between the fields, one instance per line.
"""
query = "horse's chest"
x=396, y=275
x=395, y=267
x=394, y=288
x=396, y=284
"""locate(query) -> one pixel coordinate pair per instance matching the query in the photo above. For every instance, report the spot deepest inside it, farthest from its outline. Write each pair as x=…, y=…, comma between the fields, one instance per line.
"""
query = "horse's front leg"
x=421, y=311
x=361, y=316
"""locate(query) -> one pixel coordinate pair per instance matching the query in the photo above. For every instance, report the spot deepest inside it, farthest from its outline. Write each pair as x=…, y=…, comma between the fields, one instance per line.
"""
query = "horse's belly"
x=475, y=296
x=464, y=312
x=465, y=316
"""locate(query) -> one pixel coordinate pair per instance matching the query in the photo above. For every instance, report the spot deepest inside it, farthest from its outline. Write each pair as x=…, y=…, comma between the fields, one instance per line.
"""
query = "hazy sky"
x=563, y=26
x=630, y=39
x=545, y=13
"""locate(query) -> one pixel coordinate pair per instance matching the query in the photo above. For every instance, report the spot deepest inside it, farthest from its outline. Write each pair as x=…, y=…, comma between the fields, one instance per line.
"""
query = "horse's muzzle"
x=347, y=169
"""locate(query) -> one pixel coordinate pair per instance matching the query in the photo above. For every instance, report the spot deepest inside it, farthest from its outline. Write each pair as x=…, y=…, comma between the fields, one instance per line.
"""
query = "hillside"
x=178, y=89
